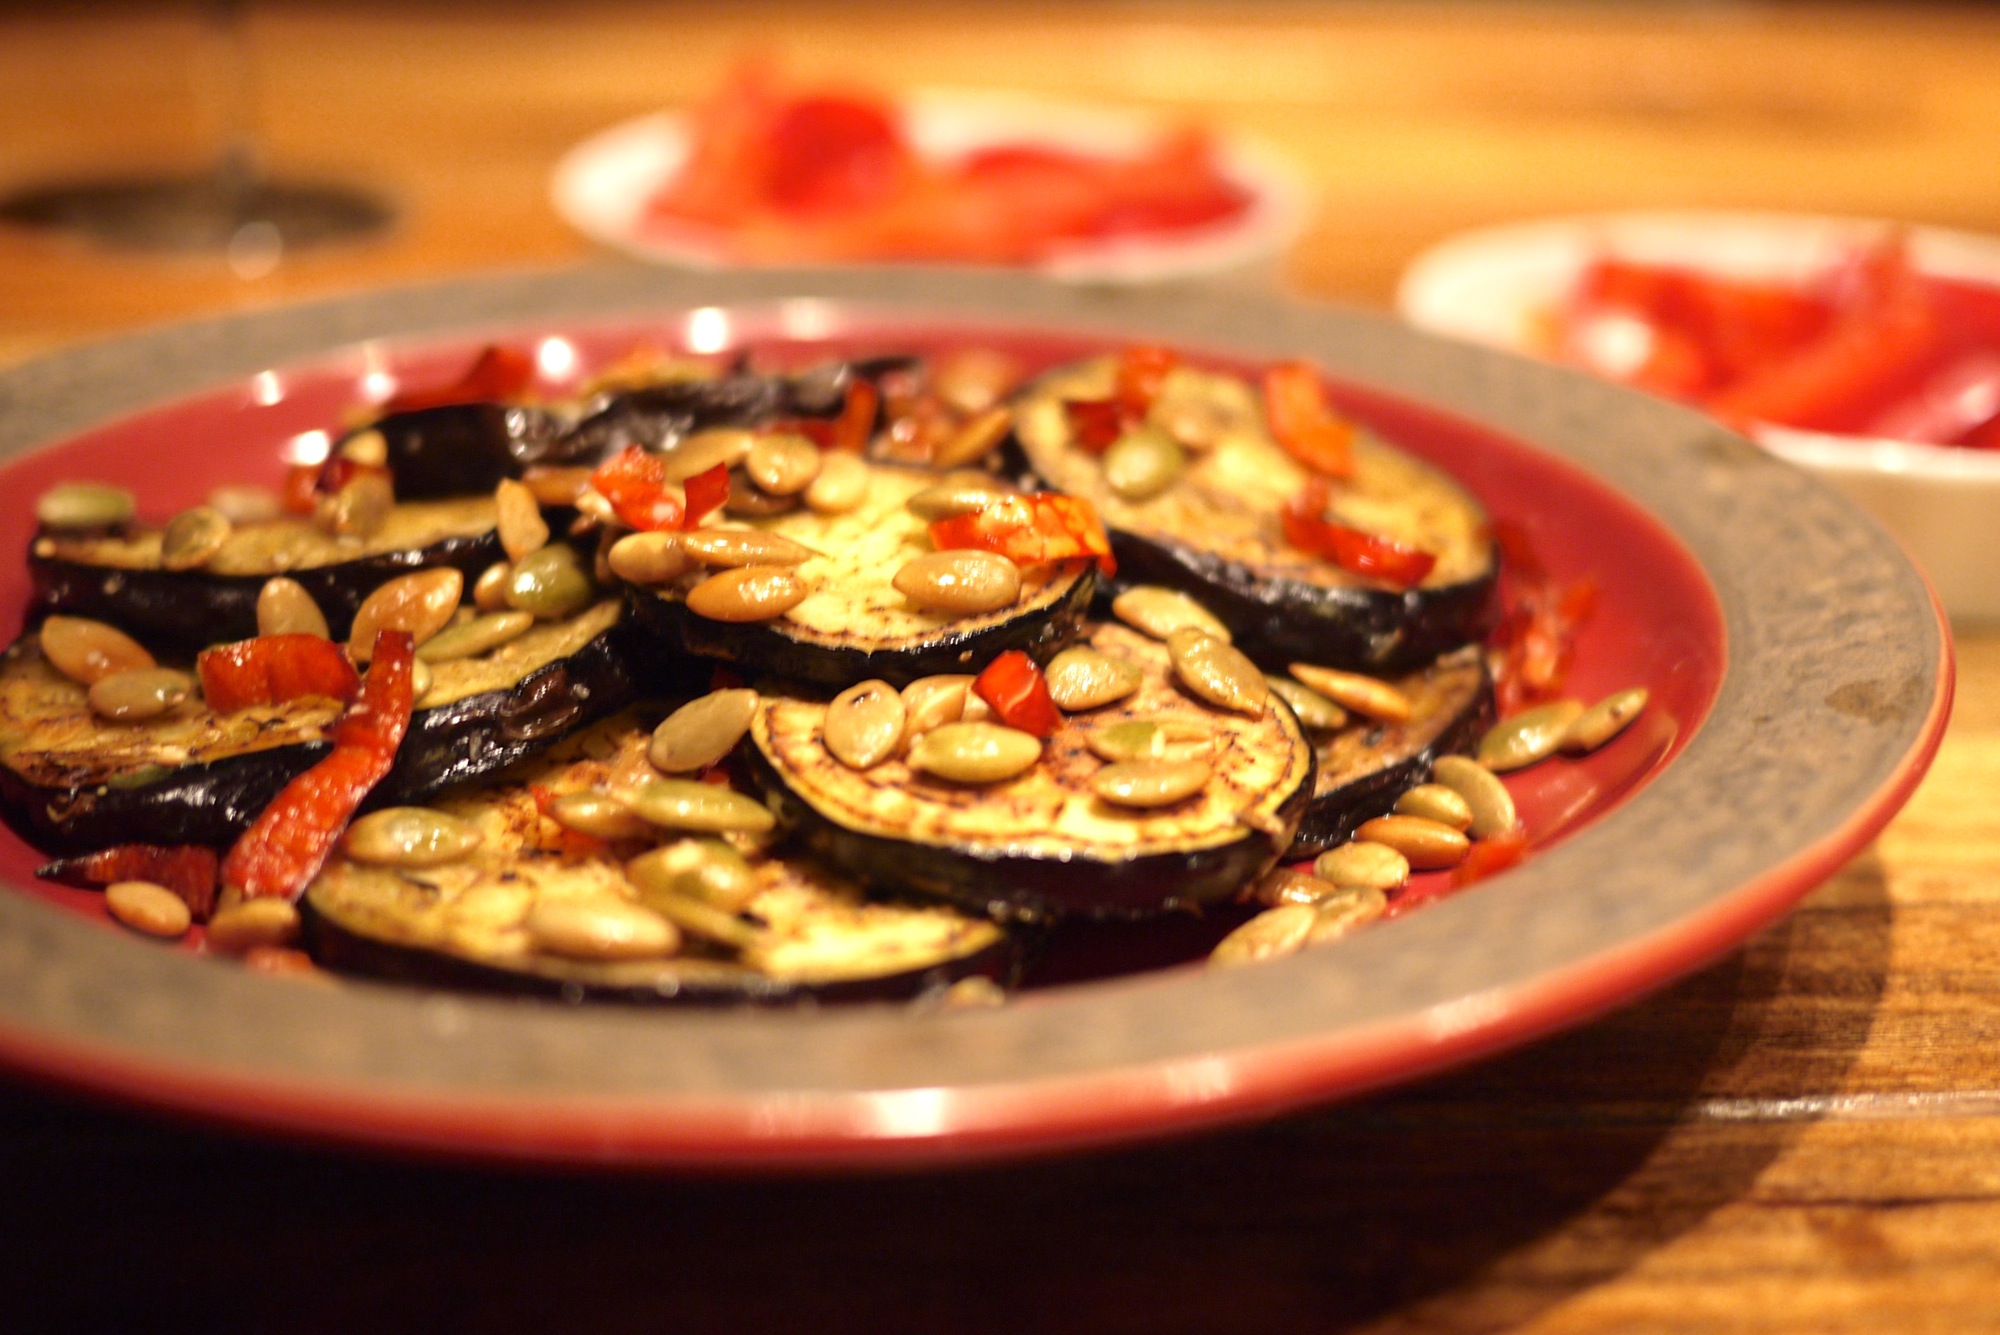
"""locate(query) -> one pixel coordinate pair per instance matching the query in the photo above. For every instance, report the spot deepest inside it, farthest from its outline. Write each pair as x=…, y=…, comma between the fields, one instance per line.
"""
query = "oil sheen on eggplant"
x=1042, y=846
x=855, y=625
x=814, y=936
x=1215, y=532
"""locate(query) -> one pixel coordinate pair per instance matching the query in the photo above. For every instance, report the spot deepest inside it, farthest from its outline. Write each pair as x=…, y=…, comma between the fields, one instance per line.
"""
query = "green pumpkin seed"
x=864, y=724
x=747, y=593
x=703, y=731
x=410, y=837
x=1315, y=712
x=600, y=929
x=1425, y=844
x=1150, y=783
x=960, y=582
x=518, y=518
x=1438, y=802
x=88, y=651
x=421, y=603
x=1080, y=679
x=1284, y=886
x=84, y=505
x=1349, y=908
x=139, y=694
x=729, y=547
x=245, y=503
x=1173, y=740
x=782, y=464
x=285, y=608
x=1216, y=672
x=550, y=583
x=841, y=486
x=710, y=871
x=1529, y=736
x=975, y=439
x=1363, y=862
x=649, y=558
x=1272, y=933
x=959, y=494
x=706, y=808
x=1351, y=690
x=670, y=882
x=1159, y=612
x=975, y=752
x=1142, y=463
x=696, y=918
x=192, y=537
x=359, y=508
x=1492, y=806
x=148, y=908
x=1604, y=720
x=481, y=635
x=599, y=815
x=703, y=450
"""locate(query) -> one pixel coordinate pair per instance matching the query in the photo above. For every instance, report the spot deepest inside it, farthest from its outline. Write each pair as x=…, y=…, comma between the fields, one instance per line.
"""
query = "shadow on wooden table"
x=1467, y=1203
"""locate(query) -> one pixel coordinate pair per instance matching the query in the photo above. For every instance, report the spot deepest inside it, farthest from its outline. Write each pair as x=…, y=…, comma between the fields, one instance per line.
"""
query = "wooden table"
x=1805, y=1137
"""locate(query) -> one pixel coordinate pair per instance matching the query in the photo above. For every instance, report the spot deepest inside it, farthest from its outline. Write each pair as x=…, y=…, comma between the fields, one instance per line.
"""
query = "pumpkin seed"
x=963, y=582
x=709, y=871
x=518, y=517
x=1189, y=420
x=478, y=636
x=592, y=511
x=1604, y=720
x=864, y=724
x=369, y=448
x=285, y=608
x=553, y=484
x=1216, y=672
x=489, y=591
x=1142, y=463
x=959, y=494
x=695, y=917
x=747, y=500
x=1082, y=678
x=550, y=583
x=421, y=681
x=421, y=602
x=976, y=710
x=89, y=651
x=1529, y=736
x=192, y=537
x=1172, y=740
x=703, y=450
x=1492, y=806
x=1159, y=612
x=1274, y=932
x=649, y=558
x=601, y=928
x=243, y=503
x=707, y=808
x=973, y=379
x=1363, y=862
x=932, y=702
x=1315, y=712
x=743, y=547
x=1150, y=783
x=81, y=505
x=359, y=508
x=703, y=731
x=1351, y=690
x=1284, y=886
x=747, y=593
x=841, y=486
x=975, y=752
x=1425, y=844
x=975, y=439
x=148, y=908
x=599, y=815
x=1438, y=802
x=782, y=464
x=410, y=837
x=1349, y=907
x=248, y=923
x=139, y=694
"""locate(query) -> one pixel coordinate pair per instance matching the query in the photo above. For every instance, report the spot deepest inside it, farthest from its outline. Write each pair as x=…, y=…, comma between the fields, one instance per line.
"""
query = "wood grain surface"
x=1804, y=1137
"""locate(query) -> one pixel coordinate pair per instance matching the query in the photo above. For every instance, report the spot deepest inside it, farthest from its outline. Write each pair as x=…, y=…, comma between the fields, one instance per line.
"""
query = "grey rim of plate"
x=1841, y=618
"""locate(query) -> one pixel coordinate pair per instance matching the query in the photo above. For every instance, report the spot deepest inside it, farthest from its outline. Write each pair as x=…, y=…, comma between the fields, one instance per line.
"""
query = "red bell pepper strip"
x=272, y=669
x=497, y=373
x=635, y=482
x=284, y=848
x=1491, y=856
x=1365, y=554
x=706, y=491
x=1536, y=637
x=1031, y=530
x=856, y=422
x=1142, y=372
x=1296, y=410
x=1019, y=694
x=186, y=869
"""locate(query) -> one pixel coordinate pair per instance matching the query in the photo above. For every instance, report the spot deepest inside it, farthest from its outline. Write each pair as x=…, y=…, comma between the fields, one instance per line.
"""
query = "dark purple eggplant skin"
x=462, y=449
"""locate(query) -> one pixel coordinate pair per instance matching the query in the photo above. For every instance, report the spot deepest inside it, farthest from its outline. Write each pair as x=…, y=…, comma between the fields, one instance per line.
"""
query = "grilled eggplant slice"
x=806, y=934
x=71, y=782
x=1365, y=766
x=464, y=449
x=118, y=577
x=1042, y=846
x=1214, y=532
x=855, y=625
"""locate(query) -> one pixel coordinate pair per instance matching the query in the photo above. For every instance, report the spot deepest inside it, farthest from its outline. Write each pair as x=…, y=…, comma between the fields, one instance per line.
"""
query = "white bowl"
x=1942, y=502
x=601, y=185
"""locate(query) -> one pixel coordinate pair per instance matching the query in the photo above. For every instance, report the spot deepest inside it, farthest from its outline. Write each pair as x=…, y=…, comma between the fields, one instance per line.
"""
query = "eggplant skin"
x=462, y=448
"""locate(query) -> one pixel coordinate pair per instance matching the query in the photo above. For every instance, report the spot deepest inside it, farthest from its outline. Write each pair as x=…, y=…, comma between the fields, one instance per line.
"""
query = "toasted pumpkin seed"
x=1171, y=740
x=1274, y=932
x=782, y=464
x=148, y=908
x=975, y=752
x=518, y=517
x=1315, y=712
x=1604, y=720
x=1351, y=690
x=368, y=447
x=359, y=508
x=1529, y=736
x=728, y=547
x=1216, y=672
x=600, y=929
x=841, y=486
x=1159, y=612
x=975, y=439
x=1492, y=806
x=976, y=710
x=550, y=583
x=139, y=694
x=89, y=651
x=248, y=923
x=702, y=731
x=192, y=537
x=932, y=702
x=709, y=871
x=963, y=582
x=1425, y=844
x=599, y=815
x=555, y=484
x=285, y=608
x=1363, y=862
x=972, y=380
x=703, y=450
x=1438, y=802
x=1150, y=783
x=747, y=593
x=481, y=635
x=410, y=837
x=244, y=503
x=695, y=917
x=1349, y=908
x=747, y=500
x=489, y=591
x=706, y=808
x=1142, y=463
x=649, y=558
x=864, y=724
x=421, y=602
x=82, y=505
x=1080, y=678
x=1284, y=886
x=959, y=494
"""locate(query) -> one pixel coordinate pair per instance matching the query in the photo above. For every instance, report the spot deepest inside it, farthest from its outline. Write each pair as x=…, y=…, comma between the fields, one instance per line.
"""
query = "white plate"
x=601, y=186
x=1942, y=502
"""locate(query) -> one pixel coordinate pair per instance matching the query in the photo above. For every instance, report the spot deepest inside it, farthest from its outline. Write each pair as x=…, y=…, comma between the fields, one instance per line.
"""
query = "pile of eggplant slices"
x=881, y=679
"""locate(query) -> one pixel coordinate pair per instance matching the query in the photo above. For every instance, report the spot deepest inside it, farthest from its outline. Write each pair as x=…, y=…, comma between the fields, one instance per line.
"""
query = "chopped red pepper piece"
x=635, y=482
x=1019, y=694
x=706, y=491
x=300, y=493
x=1094, y=424
x=340, y=470
x=1365, y=554
x=1490, y=856
x=1031, y=530
x=1295, y=407
x=272, y=669
x=1536, y=637
x=497, y=373
x=1142, y=372
x=186, y=869
x=284, y=848
x=856, y=422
